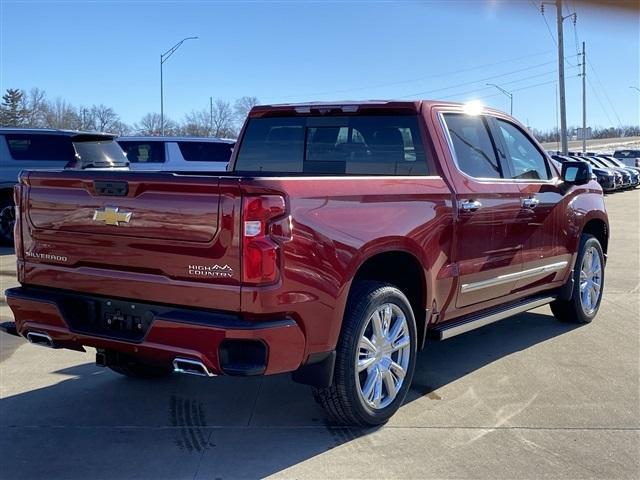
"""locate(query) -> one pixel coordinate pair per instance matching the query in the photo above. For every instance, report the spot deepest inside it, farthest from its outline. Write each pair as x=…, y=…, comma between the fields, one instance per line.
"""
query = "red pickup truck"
x=342, y=238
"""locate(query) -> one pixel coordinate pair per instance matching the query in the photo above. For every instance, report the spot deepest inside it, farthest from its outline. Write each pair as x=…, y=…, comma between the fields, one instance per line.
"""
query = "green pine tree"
x=12, y=110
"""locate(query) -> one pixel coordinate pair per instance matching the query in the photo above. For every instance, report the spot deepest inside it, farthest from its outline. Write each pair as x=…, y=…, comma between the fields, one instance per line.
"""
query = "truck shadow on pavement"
x=209, y=428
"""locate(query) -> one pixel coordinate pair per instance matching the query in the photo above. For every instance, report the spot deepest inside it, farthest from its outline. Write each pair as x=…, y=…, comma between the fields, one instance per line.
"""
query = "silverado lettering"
x=46, y=256
x=343, y=239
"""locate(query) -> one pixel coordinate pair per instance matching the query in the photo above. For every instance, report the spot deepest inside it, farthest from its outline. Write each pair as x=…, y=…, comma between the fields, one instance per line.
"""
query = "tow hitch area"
x=108, y=317
x=126, y=317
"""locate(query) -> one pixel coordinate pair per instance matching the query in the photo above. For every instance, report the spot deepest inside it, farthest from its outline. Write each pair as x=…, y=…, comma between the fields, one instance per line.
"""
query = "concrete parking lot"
x=528, y=397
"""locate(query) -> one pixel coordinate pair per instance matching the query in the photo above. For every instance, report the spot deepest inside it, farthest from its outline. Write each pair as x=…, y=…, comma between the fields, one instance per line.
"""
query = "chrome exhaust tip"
x=191, y=367
x=40, y=339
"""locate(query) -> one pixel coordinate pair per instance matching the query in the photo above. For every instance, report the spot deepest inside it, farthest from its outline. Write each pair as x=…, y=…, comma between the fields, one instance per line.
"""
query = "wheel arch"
x=599, y=229
x=403, y=269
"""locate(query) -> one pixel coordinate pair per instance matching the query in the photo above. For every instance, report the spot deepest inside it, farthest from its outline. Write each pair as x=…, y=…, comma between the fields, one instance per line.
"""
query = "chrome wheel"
x=383, y=356
x=590, y=280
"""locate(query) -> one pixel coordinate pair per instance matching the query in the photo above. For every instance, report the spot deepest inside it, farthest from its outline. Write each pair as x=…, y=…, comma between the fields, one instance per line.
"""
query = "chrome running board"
x=456, y=327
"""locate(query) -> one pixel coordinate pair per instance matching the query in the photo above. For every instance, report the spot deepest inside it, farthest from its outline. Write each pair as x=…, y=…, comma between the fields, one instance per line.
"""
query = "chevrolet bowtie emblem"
x=112, y=216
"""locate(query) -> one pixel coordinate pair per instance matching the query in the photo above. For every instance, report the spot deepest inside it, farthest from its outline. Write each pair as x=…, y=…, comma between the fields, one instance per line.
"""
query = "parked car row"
x=44, y=149
x=631, y=158
x=612, y=174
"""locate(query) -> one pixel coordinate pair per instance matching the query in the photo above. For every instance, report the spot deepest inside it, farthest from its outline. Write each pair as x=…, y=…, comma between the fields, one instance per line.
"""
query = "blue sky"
x=108, y=52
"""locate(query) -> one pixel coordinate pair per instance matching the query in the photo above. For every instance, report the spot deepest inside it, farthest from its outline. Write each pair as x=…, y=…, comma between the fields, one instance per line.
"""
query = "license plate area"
x=126, y=318
x=111, y=318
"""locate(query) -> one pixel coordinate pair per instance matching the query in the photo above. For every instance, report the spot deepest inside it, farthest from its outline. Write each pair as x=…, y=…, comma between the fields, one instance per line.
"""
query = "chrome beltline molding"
x=502, y=279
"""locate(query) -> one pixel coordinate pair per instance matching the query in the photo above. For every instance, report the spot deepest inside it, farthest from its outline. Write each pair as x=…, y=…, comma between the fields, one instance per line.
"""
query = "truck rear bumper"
x=224, y=343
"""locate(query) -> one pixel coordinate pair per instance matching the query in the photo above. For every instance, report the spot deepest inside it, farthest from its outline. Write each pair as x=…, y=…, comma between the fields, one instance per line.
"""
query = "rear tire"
x=133, y=368
x=588, y=284
x=7, y=221
x=375, y=357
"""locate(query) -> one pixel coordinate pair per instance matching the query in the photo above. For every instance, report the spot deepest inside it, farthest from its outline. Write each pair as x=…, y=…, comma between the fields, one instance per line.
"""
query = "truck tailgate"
x=153, y=236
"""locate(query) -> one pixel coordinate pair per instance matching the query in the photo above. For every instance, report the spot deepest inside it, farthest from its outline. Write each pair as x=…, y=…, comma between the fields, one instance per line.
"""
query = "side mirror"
x=576, y=173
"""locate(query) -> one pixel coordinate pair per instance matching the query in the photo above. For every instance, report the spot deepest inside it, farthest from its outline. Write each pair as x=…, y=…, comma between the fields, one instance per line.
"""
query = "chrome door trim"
x=510, y=277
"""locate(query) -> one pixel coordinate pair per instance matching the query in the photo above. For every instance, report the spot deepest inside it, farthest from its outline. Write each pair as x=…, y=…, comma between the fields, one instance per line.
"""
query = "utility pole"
x=211, y=116
x=563, y=106
x=584, y=100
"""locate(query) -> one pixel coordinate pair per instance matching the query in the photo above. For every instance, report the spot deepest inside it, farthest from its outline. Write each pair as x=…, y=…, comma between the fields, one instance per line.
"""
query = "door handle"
x=470, y=205
x=531, y=202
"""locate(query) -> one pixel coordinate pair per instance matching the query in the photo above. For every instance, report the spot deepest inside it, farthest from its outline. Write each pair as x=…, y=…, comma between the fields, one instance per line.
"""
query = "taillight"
x=259, y=251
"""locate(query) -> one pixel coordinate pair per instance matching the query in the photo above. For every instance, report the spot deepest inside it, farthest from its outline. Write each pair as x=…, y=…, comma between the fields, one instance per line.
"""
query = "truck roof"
x=350, y=106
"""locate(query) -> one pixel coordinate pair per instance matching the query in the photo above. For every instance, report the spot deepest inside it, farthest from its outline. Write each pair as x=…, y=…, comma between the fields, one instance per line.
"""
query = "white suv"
x=177, y=154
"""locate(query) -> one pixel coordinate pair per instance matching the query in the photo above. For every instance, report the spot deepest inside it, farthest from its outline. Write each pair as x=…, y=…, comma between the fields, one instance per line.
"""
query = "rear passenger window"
x=143, y=152
x=206, y=151
x=358, y=145
x=40, y=147
x=525, y=159
x=474, y=150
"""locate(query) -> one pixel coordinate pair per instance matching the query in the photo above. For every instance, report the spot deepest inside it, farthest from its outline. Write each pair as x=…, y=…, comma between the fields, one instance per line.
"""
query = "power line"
x=503, y=83
x=555, y=42
x=595, y=93
x=604, y=90
x=492, y=77
x=553, y=38
x=400, y=82
x=540, y=84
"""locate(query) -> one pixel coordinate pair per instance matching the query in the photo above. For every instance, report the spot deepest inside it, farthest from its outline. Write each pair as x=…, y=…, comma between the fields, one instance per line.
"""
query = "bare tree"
x=222, y=117
x=104, y=118
x=242, y=106
x=61, y=114
x=197, y=124
x=86, y=119
x=150, y=125
x=35, y=106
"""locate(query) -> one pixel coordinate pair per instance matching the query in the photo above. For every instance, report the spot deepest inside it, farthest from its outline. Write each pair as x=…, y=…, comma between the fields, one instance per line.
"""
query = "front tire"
x=588, y=286
x=375, y=357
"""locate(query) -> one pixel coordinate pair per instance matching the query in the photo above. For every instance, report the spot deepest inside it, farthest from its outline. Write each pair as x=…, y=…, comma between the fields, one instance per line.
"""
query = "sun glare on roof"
x=473, y=107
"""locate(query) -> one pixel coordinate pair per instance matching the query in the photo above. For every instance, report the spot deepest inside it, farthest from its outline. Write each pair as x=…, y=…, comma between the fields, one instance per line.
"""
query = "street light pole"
x=163, y=58
x=508, y=94
x=635, y=88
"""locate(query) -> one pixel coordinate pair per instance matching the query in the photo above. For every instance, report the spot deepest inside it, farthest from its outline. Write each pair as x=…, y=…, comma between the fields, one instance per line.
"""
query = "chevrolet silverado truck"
x=343, y=239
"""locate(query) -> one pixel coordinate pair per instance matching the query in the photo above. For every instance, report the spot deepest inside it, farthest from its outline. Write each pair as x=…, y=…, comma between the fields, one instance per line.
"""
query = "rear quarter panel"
x=337, y=224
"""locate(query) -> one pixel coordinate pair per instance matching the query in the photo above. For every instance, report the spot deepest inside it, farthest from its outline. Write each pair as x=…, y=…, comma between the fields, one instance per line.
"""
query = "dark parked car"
x=608, y=179
x=623, y=178
x=629, y=176
x=43, y=149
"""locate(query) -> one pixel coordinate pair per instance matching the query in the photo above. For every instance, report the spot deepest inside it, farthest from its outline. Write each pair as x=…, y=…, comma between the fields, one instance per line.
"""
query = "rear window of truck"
x=357, y=145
